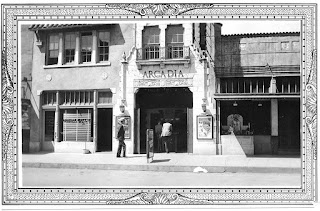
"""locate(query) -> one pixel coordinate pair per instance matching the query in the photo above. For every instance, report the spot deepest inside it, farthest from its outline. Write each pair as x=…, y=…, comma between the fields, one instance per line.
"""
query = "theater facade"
x=223, y=94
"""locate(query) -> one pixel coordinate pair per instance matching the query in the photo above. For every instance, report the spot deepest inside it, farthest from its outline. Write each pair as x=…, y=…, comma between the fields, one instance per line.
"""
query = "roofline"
x=260, y=34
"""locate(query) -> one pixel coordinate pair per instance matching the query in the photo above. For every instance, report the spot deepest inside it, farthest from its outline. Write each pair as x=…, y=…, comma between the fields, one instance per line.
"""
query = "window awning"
x=35, y=27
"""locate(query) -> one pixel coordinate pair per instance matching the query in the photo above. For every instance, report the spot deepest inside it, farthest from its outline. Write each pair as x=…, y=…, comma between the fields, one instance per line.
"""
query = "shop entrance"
x=160, y=104
x=289, y=127
x=104, y=142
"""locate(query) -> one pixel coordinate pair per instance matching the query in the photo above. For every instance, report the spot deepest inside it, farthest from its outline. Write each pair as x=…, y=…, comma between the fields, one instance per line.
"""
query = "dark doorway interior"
x=289, y=127
x=49, y=125
x=254, y=113
x=164, y=103
x=104, y=142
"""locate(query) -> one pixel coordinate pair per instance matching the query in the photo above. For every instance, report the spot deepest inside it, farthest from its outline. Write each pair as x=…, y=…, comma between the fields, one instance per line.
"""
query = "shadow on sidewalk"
x=135, y=156
x=161, y=161
x=273, y=156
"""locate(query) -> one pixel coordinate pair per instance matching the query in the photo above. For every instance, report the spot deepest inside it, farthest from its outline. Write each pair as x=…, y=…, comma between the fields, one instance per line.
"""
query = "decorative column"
x=77, y=50
x=197, y=34
x=56, y=120
x=218, y=139
x=273, y=85
x=61, y=47
x=187, y=34
x=162, y=40
x=94, y=47
x=95, y=119
x=139, y=33
x=203, y=60
x=123, y=78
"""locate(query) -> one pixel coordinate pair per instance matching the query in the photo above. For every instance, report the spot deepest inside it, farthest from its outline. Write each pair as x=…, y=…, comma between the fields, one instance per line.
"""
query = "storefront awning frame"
x=251, y=97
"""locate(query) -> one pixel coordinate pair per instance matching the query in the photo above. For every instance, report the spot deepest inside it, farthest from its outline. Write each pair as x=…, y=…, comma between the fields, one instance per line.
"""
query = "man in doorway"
x=166, y=134
x=158, y=130
x=120, y=137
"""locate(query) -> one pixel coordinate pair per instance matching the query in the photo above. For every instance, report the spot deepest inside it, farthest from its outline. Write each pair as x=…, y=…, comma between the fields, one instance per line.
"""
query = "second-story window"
x=70, y=46
x=174, y=41
x=53, y=50
x=86, y=46
x=103, y=45
x=151, y=43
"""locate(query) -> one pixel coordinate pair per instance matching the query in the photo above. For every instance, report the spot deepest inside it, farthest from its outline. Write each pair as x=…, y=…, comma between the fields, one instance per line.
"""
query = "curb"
x=164, y=168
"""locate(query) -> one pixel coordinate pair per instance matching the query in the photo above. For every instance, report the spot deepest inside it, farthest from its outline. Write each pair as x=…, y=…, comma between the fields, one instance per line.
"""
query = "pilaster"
x=187, y=34
x=139, y=33
x=123, y=78
x=94, y=47
x=95, y=119
x=77, y=50
x=61, y=47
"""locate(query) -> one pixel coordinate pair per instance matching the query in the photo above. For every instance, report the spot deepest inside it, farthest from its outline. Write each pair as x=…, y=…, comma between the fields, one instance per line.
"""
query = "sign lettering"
x=163, y=74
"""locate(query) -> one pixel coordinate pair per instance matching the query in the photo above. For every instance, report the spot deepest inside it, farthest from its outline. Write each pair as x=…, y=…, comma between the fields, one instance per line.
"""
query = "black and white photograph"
x=159, y=104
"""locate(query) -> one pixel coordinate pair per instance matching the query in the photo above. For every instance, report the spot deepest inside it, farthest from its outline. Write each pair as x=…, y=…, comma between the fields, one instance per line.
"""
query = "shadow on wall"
x=117, y=34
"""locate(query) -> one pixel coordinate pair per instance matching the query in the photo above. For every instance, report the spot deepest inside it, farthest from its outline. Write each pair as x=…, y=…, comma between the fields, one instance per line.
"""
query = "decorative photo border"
x=13, y=14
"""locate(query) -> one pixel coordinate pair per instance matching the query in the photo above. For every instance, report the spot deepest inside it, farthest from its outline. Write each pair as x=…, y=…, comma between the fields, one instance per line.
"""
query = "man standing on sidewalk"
x=166, y=134
x=120, y=137
x=158, y=130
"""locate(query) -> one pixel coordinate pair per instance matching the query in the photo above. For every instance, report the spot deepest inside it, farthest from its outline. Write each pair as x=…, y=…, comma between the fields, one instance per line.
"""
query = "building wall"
x=200, y=70
x=25, y=69
x=77, y=77
x=256, y=56
x=239, y=53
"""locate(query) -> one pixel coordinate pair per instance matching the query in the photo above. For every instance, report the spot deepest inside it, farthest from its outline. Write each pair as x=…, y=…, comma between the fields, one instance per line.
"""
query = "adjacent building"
x=223, y=94
x=258, y=93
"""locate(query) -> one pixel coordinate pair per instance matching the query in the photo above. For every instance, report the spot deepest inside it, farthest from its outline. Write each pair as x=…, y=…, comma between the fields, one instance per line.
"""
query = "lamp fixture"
x=259, y=104
x=122, y=108
x=204, y=107
x=235, y=104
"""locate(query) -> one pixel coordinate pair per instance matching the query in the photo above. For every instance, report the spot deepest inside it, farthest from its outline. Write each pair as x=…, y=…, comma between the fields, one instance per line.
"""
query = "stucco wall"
x=26, y=51
x=77, y=77
x=259, y=50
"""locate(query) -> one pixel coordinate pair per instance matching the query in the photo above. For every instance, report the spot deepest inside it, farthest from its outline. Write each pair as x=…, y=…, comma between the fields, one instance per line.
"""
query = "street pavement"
x=54, y=177
x=163, y=162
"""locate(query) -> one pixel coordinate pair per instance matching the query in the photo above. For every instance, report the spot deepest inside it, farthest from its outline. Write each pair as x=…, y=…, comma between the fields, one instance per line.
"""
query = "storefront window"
x=245, y=117
x=288, y=85
x=242, y=85
x=76, y=97
x=49, y=98
x=105, y=97
x=77, y=124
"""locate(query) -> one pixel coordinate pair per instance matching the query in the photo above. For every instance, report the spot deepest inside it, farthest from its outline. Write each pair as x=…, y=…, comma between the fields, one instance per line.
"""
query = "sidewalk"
x=182, y=162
